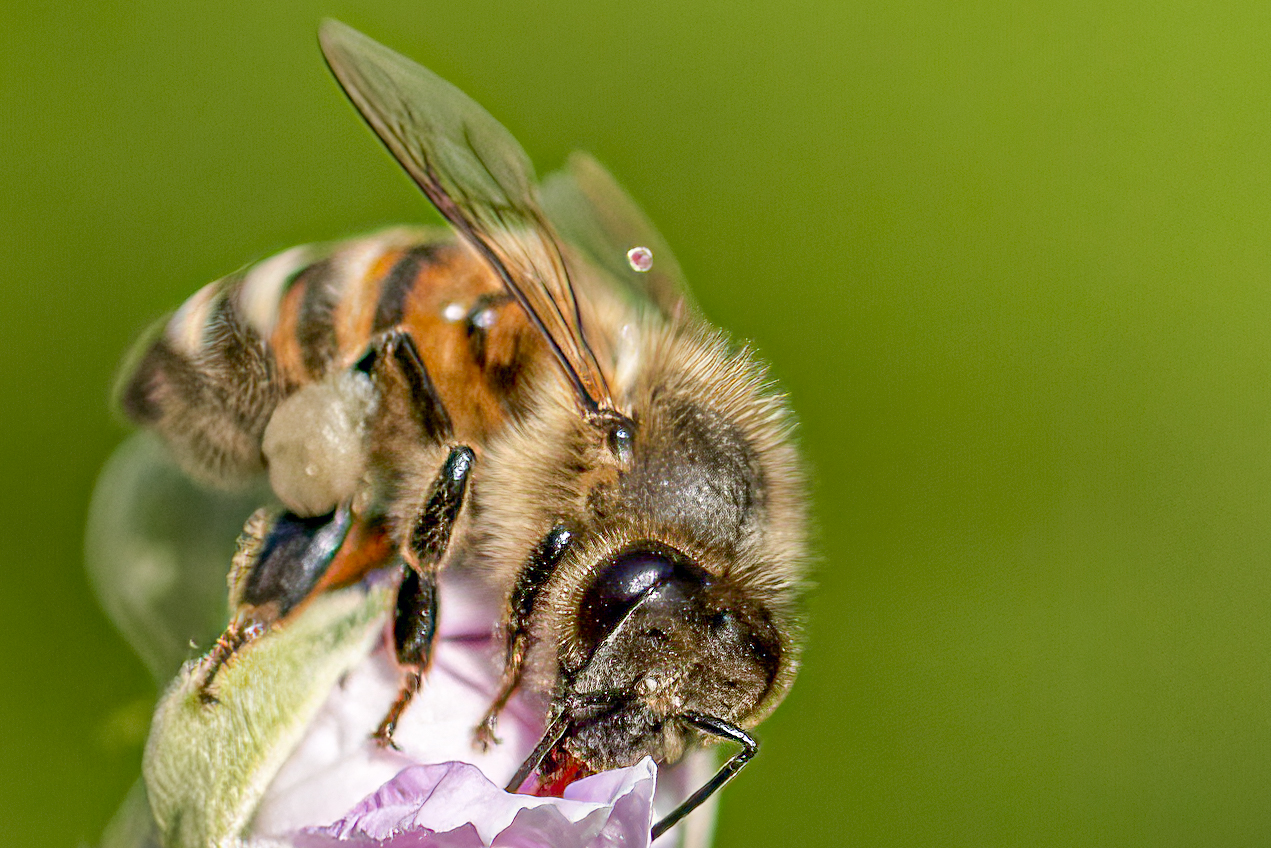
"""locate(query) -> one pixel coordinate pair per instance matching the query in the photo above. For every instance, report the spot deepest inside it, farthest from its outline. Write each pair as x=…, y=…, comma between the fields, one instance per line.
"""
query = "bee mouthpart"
x=551, y=740
x=561, y=769
x=550, y=768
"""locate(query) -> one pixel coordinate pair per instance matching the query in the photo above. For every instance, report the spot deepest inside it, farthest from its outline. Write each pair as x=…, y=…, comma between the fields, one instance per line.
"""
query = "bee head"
x=663, y=639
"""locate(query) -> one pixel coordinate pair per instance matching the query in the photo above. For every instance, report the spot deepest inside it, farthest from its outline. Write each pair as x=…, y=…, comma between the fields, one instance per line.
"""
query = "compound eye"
x=622, y=583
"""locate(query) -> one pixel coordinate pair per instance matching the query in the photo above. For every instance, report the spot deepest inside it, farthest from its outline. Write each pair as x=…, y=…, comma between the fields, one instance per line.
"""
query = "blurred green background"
x=1012, y=261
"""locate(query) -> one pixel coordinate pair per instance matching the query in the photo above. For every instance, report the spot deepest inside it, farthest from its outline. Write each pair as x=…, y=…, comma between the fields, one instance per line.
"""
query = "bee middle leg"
x=410, y=424
x=415, y=623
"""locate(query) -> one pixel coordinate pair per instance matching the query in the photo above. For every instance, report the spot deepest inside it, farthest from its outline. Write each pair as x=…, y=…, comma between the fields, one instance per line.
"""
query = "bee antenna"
x=551, y=738
x=721, y=729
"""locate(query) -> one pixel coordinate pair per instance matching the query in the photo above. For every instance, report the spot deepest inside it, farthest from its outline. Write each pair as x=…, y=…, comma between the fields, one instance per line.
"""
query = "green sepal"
x=207, y=766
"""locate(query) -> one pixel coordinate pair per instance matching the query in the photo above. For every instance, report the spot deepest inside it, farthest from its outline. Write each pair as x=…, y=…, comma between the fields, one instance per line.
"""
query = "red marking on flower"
x=559, y=771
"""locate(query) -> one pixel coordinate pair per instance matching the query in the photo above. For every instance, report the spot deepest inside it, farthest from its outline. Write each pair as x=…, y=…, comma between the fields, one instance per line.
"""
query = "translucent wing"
x=157, y=548
x=479, y=178
x=592, y=212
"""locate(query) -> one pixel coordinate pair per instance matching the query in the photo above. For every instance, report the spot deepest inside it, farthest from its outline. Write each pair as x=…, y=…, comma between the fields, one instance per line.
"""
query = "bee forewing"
x=592, y=212
x=478, y=177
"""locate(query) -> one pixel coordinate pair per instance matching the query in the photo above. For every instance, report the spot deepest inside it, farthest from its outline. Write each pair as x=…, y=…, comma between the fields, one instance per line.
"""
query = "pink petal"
x=454, y=804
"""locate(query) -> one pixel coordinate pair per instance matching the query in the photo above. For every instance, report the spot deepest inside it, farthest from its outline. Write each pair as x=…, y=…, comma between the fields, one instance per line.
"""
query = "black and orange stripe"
x=209, y=381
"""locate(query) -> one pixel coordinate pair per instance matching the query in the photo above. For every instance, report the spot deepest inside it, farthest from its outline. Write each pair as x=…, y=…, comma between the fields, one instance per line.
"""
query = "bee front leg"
x=537, y=570
x=415, y=623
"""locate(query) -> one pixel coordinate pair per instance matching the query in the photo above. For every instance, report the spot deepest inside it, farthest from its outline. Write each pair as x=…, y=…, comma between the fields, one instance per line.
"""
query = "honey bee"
x=538, y=403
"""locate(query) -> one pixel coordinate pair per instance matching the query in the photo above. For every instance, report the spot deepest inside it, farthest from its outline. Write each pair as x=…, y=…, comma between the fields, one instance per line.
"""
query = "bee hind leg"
x=280, y=559
x=415, y=622
x=238, y=634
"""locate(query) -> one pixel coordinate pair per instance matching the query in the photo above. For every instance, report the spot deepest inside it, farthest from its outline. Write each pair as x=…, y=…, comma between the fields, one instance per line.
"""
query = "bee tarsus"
x=227, y=644
x=383, y=734
x=280, y=559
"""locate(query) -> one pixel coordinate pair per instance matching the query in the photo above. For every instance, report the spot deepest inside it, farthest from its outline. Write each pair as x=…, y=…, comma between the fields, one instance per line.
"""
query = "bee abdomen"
x=210, y=378
x=323, y=313
x=209, y=397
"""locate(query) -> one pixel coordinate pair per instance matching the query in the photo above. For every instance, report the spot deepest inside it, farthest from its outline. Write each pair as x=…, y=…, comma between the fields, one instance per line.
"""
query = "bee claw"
x=227, y=645
x=204, y=688
x=383, y=738
x=483, y=734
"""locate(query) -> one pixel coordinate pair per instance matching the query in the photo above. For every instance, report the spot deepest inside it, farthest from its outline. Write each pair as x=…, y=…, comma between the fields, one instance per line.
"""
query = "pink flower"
x=426, y=806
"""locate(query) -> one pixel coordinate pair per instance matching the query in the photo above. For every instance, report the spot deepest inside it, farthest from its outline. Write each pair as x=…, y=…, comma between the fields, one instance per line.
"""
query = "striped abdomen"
x=210, y=378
